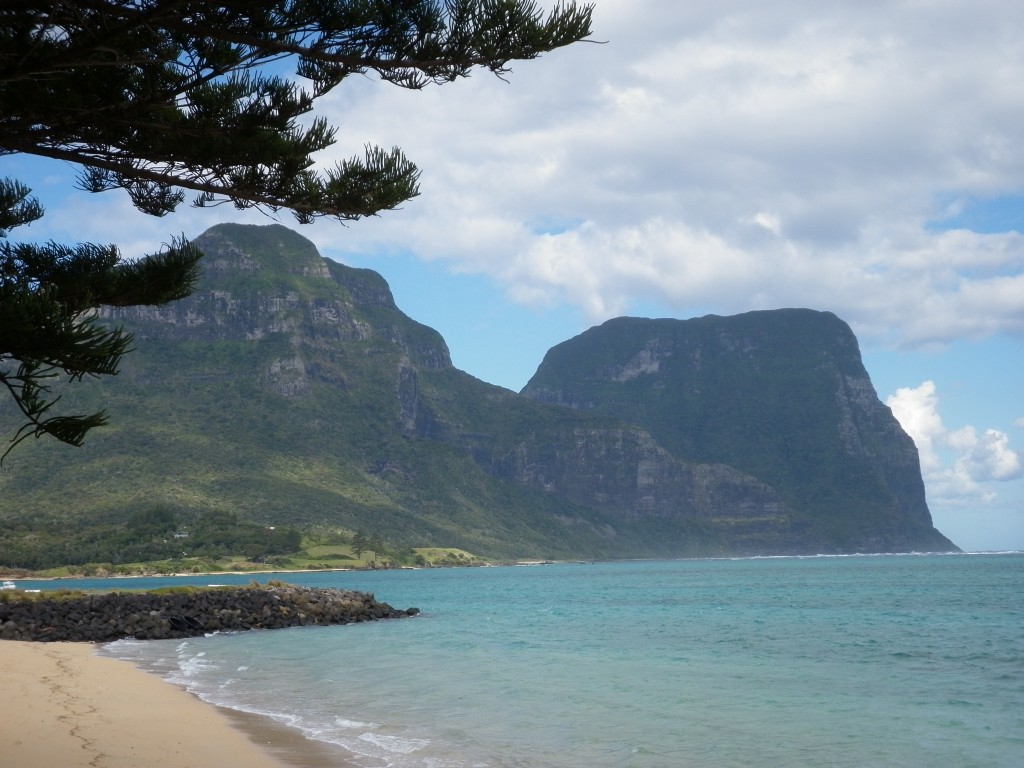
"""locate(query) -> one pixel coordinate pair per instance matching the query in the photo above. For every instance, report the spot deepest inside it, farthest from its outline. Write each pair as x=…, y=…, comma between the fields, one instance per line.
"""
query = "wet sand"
x=63, y=705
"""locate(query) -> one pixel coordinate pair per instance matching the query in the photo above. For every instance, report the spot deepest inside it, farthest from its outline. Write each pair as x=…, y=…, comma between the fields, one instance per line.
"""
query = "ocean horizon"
x=836, y=661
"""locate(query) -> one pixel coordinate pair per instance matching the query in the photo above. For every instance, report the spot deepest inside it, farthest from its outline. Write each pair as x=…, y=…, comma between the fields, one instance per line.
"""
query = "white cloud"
x=977, y=460
x=916, y=409
x=985, y=457
x=728, y=157
x=712, y=157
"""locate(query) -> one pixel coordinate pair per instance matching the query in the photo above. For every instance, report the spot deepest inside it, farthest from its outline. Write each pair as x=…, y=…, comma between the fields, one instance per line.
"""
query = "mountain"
x=779, y=395
x=289, y=390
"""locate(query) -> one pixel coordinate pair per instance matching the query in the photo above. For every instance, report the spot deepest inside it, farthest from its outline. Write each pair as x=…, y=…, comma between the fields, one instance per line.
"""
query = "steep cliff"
x=290, y=390
x=779, y=395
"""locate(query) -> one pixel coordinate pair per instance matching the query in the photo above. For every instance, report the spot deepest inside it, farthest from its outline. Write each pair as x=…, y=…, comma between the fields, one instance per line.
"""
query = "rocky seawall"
x=101, y=618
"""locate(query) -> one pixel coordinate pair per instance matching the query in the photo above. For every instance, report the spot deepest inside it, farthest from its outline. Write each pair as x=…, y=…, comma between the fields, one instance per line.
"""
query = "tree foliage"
x=158, y=96
x=149, y=534
x=359, y=544
x=162, y=98
x=47, y=327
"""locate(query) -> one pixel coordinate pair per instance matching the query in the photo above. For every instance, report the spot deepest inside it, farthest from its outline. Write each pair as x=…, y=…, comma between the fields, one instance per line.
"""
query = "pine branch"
x=161, y=96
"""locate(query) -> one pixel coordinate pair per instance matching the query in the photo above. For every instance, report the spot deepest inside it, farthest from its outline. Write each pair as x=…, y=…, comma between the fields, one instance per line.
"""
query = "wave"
x=220, y=682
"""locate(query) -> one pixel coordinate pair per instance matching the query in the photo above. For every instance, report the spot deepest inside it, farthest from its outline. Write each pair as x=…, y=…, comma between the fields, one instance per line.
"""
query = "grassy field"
x=313, y=556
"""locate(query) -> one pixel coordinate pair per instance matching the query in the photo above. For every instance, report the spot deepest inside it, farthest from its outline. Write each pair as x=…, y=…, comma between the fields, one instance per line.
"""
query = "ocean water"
x=826, y=661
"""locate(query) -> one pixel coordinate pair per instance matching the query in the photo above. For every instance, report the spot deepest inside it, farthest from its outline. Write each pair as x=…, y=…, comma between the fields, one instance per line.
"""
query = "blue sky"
x=712, y=157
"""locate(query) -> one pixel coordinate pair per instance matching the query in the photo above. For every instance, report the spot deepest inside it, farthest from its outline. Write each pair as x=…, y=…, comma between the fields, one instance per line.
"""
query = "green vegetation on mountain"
x=160, y=97
x=780, y=395
x=289, y=392
x=48, y=332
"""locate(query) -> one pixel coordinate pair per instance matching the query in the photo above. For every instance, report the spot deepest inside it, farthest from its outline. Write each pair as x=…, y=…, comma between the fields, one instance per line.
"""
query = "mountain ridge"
x=291, y=389
x=781, y=395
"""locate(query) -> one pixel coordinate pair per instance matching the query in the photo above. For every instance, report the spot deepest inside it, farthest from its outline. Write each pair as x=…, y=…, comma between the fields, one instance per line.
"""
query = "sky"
x=710, y=158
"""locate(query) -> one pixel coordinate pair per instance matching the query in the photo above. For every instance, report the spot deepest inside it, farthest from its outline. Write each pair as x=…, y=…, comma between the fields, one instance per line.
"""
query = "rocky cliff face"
x=781, y=396
x=291, y=390
x=700, y=508
x=269, y=284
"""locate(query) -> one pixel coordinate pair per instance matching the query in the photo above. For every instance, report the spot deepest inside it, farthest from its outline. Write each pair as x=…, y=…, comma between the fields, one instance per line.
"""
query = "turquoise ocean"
x=914, y=660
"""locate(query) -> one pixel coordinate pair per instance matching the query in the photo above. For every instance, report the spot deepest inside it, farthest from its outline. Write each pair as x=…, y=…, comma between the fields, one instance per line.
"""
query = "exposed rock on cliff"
x=781, y=396
x=290, y=390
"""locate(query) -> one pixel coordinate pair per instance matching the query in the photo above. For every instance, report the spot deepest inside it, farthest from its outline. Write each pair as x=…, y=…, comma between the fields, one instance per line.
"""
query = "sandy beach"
x=62, y=705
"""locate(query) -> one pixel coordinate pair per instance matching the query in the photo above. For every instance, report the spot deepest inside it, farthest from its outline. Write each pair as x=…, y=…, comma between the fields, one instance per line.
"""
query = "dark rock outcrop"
x=101, y=618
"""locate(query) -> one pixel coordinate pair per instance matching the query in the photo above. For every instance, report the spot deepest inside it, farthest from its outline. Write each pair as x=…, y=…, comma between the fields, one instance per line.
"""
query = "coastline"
x=283, y=743
x=65, y=705
x=15, y=575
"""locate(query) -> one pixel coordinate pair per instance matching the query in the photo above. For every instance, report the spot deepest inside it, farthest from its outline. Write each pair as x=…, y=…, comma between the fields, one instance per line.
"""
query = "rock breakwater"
x=160, y=615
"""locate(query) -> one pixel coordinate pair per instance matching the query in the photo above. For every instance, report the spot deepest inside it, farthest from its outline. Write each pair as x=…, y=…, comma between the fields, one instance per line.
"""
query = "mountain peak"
x=781, y=395
x=289, y=390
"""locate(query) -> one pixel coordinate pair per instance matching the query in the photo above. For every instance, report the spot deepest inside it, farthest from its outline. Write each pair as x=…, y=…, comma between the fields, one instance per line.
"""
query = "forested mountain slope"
x=289, y=390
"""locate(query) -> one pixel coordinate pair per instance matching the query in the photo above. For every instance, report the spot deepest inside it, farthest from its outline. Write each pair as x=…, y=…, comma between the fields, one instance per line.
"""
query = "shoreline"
x=64, y=704
x=15, y=575
x=283, y=743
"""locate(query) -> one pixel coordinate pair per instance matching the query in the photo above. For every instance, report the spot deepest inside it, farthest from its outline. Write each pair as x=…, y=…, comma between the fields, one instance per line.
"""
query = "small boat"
x=9, y=585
